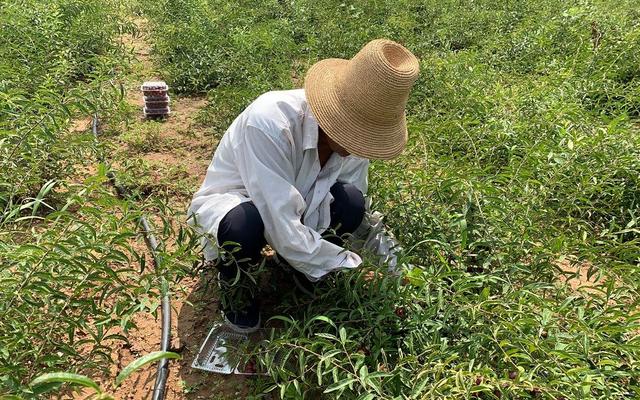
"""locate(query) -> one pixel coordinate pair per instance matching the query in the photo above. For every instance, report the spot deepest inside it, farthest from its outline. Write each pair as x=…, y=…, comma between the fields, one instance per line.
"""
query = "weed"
x=143, y=137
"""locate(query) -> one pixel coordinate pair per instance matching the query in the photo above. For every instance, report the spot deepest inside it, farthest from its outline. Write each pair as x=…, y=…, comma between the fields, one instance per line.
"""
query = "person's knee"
x=348, y=207
x=244, y=226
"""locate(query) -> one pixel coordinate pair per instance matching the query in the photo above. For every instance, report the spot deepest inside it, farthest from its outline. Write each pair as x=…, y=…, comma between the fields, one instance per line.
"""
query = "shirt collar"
x=310, y=138
x=309, y=130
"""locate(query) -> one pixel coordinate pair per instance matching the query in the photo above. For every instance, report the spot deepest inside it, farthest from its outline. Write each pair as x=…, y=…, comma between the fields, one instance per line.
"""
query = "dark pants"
x=243, y=224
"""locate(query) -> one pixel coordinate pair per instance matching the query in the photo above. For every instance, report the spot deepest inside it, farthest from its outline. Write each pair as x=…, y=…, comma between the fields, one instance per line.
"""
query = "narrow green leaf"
x=343, y=335
x=64, y=377
x=319, y=373
x=464, y=233
x=319, y=318
x=142, y=361
x=339, y=385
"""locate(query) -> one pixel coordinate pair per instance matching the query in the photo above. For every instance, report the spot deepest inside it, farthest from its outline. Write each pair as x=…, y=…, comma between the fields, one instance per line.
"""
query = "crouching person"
x=294, y=165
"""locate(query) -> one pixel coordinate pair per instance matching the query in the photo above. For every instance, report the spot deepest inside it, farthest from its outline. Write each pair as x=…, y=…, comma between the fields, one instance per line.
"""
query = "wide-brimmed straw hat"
x=360, y=103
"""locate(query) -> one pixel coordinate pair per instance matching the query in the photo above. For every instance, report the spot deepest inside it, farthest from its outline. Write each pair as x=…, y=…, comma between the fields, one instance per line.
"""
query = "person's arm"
x=268, y=176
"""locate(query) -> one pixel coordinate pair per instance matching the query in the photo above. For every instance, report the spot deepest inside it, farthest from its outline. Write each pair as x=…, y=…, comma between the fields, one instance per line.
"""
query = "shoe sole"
x=239, y=329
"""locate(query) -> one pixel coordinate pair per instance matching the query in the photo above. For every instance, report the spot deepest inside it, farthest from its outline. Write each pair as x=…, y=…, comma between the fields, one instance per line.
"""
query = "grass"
x=523, y=168
x=143, y=137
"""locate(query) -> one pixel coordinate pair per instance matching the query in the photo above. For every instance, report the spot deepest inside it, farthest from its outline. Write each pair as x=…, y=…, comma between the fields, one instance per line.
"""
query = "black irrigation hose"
x=159, y=388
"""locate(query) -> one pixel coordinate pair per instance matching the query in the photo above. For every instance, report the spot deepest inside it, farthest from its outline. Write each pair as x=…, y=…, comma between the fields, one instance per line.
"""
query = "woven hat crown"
x=377, y=81
x=360, y=102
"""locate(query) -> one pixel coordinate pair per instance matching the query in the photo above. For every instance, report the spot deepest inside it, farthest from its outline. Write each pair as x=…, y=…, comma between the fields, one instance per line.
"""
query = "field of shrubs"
x=517, y=201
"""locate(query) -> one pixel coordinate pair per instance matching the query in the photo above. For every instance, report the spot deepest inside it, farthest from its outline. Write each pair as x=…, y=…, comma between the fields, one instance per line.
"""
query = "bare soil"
x=194, y=312
x=578, y=272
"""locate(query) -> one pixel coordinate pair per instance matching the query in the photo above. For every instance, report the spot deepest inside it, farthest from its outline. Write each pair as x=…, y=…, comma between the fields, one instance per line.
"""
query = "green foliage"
x=53, y=379
x=141, y=362
x=70, y=278
x=451, y=334
x=74, y=278
x=523, y=161
x=56, y=59
x=143, y=137
x=64, y=377
x=523, y=166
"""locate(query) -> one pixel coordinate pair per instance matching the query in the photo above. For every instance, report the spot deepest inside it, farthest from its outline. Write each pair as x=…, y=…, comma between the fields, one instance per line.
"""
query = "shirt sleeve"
x=268, y=175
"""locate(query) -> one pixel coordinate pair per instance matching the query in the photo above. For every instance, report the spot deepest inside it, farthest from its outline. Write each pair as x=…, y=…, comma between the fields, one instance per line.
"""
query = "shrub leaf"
x=142, y=361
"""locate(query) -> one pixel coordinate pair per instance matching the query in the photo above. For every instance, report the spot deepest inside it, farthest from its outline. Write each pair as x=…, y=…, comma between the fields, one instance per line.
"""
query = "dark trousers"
x=243, y=224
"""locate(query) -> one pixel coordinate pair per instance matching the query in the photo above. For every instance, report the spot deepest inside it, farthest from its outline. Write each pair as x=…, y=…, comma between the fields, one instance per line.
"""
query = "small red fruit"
x=401, y=312
x=513, y=375
x=250, y=367
x=364, y=350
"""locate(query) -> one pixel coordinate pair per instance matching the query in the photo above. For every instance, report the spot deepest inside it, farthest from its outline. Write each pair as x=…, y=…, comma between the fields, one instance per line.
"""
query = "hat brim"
x=356, y=134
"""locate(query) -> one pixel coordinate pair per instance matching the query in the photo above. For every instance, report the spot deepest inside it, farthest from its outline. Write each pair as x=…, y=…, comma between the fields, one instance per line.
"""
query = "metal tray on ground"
x=216, y=352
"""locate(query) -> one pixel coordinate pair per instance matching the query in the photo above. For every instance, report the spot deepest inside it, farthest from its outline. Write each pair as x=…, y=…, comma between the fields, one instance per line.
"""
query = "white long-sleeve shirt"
x=269, y=156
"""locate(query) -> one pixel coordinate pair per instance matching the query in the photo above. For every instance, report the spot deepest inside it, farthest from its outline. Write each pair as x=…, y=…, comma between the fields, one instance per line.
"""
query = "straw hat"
x=360, y=102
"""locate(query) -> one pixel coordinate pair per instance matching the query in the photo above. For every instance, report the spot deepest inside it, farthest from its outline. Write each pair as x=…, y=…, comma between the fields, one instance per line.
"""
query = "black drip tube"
x=159, y=388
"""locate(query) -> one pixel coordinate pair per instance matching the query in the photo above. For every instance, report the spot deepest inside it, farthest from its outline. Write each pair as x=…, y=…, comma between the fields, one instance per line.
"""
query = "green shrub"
x=69, y=276
x=523, y=150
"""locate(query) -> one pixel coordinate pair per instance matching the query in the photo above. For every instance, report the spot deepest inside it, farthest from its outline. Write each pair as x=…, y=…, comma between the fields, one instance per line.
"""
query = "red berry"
x=250, y=367
x=401, y=312
x=513, y=375
x=364, y=350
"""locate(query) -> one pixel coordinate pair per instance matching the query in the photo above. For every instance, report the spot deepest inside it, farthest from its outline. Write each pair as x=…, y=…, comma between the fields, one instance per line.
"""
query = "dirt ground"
x=193, y=314
x=578, y=273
